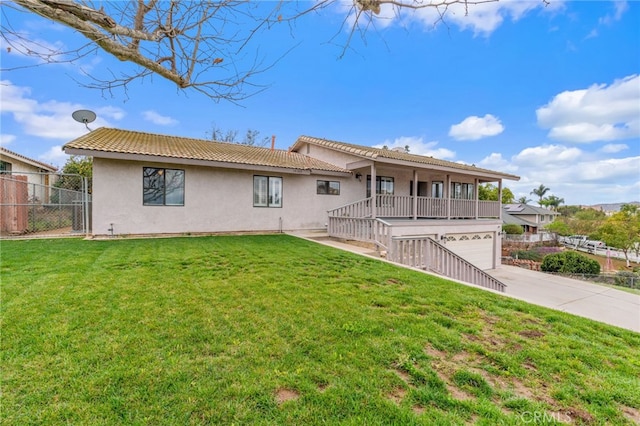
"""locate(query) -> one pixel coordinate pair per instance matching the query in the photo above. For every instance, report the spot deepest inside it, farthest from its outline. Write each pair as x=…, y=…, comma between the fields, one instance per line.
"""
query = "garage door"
x=474, y=248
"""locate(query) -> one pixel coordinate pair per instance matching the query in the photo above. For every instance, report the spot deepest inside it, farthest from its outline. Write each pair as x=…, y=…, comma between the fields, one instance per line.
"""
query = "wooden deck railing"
x=401, y=206
x=361, y=229
x=425, y=253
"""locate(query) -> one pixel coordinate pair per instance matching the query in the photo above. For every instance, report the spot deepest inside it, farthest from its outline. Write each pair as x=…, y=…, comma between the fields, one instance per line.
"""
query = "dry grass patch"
x=286, y=395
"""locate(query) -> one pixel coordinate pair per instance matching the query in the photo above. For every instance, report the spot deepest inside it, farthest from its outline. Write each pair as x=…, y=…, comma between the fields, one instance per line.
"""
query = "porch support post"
x=500, y=199
x=447, y=191
x=374, y=192
x=415, y=195
x=476, y=195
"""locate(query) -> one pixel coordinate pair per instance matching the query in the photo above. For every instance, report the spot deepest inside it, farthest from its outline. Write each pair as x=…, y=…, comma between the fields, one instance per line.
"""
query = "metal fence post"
x=85, y=196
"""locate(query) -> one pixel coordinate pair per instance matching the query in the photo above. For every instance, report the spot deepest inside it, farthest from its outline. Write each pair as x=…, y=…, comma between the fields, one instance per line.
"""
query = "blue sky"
x=551, y=94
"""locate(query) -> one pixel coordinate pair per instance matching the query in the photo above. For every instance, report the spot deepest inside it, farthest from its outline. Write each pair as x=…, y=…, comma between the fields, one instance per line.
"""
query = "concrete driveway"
x=577, y=297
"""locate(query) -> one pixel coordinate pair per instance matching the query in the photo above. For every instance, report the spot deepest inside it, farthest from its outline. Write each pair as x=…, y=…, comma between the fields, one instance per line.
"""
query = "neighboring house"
x=38, y=174
x=156, y=184
x=22, y=181
x=531, y=218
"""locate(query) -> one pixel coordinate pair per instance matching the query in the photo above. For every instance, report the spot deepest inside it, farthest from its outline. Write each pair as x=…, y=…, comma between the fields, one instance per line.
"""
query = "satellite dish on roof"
x=84, y=116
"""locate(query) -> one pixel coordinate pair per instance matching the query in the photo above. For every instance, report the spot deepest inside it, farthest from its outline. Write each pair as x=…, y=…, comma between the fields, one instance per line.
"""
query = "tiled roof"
x=109, y=140
x=526, y=209
x=379, y=153
x=513, y=220
x=28, y=160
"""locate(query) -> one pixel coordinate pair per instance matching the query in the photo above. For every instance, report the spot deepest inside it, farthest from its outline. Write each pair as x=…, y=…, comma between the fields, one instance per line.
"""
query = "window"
x=5, y=167
x=462, y=191
x=384, y=185
x=422, y=189
x=329, y=187
x=267, y=191
x=162, y=187
x=437, y=189
x=471, y=193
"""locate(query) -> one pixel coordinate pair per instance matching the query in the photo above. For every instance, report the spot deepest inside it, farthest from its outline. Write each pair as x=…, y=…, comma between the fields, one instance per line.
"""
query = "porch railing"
x=425, y=253
x=401, y=206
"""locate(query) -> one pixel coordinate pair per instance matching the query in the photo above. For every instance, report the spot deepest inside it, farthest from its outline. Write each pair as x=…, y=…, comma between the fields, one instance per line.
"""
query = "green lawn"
x=278, y=330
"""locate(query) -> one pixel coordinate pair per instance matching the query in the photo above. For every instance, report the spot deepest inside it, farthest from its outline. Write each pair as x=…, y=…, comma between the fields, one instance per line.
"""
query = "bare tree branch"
x=198, y=45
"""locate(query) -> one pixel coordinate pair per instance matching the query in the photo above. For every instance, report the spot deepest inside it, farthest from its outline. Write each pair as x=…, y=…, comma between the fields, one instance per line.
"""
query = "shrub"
x=536, y=254
x=512, y=229
x=569, y=262
x=527, y=255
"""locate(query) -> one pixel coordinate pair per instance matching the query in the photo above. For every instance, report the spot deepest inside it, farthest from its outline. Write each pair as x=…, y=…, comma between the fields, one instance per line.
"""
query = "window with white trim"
x=267, y=191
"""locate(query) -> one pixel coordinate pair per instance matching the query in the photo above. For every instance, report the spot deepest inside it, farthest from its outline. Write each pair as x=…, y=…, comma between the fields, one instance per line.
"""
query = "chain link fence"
x=45, y=204
x=626, y=279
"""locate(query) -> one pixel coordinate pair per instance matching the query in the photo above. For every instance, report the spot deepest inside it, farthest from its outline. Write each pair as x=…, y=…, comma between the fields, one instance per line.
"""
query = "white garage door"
x=475, y=248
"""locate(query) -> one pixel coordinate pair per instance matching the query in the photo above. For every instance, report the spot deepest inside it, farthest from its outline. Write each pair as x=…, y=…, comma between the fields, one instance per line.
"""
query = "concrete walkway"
x=600, y=303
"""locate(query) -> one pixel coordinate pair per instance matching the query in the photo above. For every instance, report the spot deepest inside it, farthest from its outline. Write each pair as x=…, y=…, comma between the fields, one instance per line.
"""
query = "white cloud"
x=474, y=128
x=6, y=139
x=51, y=119
x=578, y=176
x=419, y=147
x=612, y=148
x=620, y=7
x=546, y=156
x=495, y=161
x=158, y=119
x=55, y=156
x=599, y=113
x=482, y=18
x=31, y=46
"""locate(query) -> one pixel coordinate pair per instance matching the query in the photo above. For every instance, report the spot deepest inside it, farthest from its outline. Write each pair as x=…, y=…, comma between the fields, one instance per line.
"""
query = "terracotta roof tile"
x=110, y=140
x=380, y=153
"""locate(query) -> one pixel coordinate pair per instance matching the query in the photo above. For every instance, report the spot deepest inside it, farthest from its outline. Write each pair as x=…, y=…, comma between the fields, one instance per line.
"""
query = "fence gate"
x=34, y=204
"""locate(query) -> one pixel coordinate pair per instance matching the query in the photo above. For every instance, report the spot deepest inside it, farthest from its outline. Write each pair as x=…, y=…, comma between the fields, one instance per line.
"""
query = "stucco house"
x=23, y=180
x=531, y=218
x=157, y=184
x=39, y=174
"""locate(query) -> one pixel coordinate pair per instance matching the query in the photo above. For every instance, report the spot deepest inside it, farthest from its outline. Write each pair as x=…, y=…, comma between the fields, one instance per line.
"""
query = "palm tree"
x=523, y=200
x=553, y=202
x=540, y=191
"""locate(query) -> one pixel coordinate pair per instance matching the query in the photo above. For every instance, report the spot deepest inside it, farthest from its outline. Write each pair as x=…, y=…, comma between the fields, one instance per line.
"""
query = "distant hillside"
x=612, y=207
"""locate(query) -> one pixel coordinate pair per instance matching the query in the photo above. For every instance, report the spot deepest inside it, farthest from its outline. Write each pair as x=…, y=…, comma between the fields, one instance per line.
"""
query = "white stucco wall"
x=216, y=200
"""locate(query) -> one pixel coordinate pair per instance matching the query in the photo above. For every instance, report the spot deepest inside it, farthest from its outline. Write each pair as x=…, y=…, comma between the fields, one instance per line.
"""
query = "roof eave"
x=197, y=162
x=19, y=157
